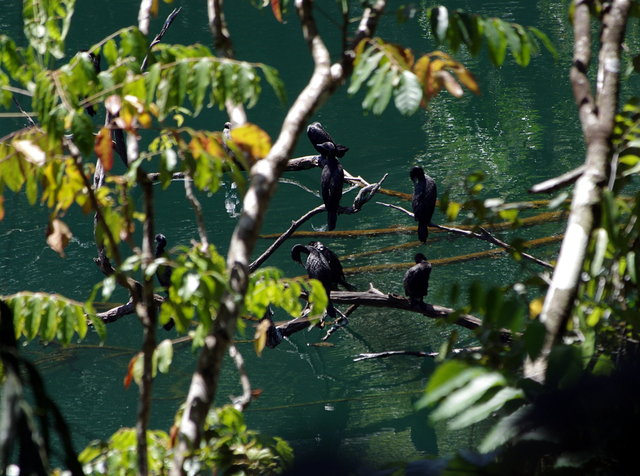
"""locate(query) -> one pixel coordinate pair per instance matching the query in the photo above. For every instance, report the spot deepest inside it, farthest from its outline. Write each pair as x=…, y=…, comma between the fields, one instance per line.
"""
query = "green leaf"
x=82, y=129
x=602, y=242
x=164, y=355
x=200, y=83
x=505, y=430
x=545, y=41
x=50, y=319
x=447, y=377
x=486, y=409
x=467, y=395
x=273, y=78
x=408, y=94
x=110, y=52
x=496, y=40
x=534, y=338
x=363, y=69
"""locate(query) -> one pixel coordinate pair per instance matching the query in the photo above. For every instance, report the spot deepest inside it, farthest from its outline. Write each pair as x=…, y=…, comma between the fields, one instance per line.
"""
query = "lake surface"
x=521, y=130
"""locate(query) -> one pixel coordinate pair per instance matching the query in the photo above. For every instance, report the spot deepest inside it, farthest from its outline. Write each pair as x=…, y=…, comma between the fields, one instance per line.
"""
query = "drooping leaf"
x=408, y=95
x=252, y=140
x=104, y=148
x=58, y=236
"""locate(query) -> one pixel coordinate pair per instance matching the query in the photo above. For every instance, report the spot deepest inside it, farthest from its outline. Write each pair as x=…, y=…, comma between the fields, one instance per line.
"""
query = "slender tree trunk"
x=264, y=177
x=597, y=117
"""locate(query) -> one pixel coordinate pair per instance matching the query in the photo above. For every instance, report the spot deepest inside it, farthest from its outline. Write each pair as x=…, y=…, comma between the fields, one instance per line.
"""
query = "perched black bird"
x=424, y=200
x=331, y=182
x=317, y=268
x=318, y=135
x=337, y=274
x=416, y=280
x=163, y=273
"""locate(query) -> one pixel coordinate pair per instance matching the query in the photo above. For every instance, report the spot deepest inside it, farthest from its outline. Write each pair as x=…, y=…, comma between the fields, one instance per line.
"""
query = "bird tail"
x=331, y=311
x=347, y=286
x=423, y=231
x=332, y=219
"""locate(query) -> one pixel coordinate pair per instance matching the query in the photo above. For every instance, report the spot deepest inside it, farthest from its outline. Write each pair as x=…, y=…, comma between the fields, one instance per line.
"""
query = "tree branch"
x=596, y=118
x=242, y=402
x=558, y=182
x=483, y=235
x=414, y=353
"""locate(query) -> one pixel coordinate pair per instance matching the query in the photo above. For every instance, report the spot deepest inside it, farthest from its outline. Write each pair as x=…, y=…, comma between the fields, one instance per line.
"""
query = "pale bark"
x=597, y=114
x=263, y=180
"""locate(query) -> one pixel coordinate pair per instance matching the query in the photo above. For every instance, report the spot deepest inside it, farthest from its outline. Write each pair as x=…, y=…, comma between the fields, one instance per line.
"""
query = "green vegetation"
x=570, y=333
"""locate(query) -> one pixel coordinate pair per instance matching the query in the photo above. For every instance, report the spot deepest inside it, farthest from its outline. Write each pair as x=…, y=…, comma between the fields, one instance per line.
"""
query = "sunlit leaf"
x=260, y=337
x=58, y=236
x=252, y=139
x=31, y=152
x=408, y=94
x=277, y=10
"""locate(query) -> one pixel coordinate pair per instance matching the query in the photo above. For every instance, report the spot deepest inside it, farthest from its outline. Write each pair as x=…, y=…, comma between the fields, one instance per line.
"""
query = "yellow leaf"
x=466, y=78
x=103, y=148
x=1, y=208
x=58, y=236
x=260, y=339
x=535, y=307
x=421, y=68
x=252, y=140
x=154, y=8
x=31, y=152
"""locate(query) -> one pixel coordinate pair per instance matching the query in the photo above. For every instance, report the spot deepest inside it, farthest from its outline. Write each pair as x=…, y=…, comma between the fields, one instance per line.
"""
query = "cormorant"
x=337, y=274
x=163, y=273
x=331, y=182
x=416, y=280
x=424, y=200
x=317, y=268
x=318, y=135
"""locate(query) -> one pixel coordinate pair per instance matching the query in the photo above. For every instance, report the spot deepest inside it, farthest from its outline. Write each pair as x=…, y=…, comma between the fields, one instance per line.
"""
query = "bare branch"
x=242, y=402
x=415, y=353
x=283, y=237
x=197, y=208
x=564, y=180
x=158, y=38
x=483, y=235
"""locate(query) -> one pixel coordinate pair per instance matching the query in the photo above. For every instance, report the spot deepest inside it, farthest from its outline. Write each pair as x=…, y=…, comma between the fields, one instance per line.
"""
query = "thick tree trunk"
x=597, y=118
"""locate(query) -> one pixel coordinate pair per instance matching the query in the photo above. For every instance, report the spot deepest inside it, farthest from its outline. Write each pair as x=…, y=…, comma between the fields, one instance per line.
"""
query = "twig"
x=558, y=182
x=197, y=208
x=484, y=235
x=242, y=402
x=281, y=239
x=156, y=40
x=415, y=353
x=23, y=112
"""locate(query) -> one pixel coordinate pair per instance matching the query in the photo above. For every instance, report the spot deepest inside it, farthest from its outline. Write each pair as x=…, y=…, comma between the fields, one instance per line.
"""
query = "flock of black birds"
x=321, y=263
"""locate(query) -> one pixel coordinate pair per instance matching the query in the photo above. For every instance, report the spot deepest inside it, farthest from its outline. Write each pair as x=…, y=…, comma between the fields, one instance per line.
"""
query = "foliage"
x=51, y=317
x=228, y=447
x=456, y=27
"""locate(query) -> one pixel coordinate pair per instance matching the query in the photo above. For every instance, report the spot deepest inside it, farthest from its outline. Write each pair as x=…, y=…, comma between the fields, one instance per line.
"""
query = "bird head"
x=419, y=257
x=416, y=173
x=296, y=251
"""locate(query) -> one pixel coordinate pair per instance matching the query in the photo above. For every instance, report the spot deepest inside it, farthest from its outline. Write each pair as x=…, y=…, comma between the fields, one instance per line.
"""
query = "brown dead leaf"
x=260, y=339
x=58, y=236
x=103, y=148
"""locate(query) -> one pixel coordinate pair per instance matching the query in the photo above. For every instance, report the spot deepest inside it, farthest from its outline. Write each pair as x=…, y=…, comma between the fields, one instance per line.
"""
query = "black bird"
x=163, y=273
x=331, y=182
x=416, y=280
x=337, y=274
x=317, y=268
x=424, y=200
x=318, y=135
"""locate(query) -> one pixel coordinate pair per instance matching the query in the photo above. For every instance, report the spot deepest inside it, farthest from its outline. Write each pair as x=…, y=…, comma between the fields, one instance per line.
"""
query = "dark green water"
x=521, y=130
